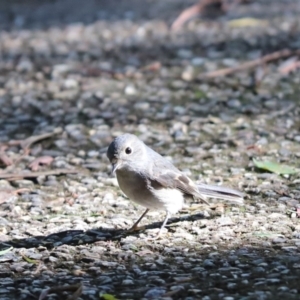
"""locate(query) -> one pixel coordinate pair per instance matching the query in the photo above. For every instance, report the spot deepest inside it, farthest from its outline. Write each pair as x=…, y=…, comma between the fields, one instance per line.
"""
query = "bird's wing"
x=165, y=174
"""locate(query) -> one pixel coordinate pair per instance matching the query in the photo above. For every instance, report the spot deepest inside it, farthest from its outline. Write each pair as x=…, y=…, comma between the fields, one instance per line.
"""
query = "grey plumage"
x=221, y=192
x=151, y=180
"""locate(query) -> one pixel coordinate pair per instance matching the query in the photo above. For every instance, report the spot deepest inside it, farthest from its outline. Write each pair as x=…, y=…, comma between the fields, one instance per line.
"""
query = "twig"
x=281, y=112
x=289, y=66
x=25, y=144
x=199, y=8
x=33, y=139
x=14, y=176
x=187, y=14
x=251, y=64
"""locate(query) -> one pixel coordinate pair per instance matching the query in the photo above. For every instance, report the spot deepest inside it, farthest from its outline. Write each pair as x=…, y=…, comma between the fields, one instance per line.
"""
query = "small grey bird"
x=149, y=179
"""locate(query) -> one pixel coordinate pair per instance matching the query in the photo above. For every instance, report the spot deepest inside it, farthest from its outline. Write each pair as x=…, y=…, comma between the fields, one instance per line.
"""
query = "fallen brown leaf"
x=42, y=160
x=290, y=65
x=153, y=67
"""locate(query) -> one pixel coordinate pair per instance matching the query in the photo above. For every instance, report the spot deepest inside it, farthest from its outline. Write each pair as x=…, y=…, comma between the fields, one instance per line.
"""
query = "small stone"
x=188, y=74
x=273, y=280
x=297, y=138
x=130, y=90
x=277, y=215
x=127, y=282
x=24, y=183
x=144, y=106
x=289, y=248
x=25, y=65
x=278, y=240
x=208, y=263
x=224, y=221
x=180, y=110
x=70, y=83
x=270, y=104
x=284, y=152
x=283, y=289
x=184, y=53
x=234, y=103
x=231, y=285
x=197, y=61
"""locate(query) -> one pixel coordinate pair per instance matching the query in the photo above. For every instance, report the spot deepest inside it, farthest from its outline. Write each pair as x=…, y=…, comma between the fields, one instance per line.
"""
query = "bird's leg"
x=162, y=226
x=135, y=225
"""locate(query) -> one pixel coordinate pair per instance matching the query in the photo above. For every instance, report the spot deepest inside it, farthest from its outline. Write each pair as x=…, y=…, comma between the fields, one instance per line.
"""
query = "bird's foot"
x=158, y=235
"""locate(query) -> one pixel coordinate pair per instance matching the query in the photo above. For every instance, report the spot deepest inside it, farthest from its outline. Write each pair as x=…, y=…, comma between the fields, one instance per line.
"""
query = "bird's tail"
x=220, y=192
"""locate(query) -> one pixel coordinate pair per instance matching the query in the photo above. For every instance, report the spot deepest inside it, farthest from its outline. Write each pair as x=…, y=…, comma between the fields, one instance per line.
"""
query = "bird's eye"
x=128, y=150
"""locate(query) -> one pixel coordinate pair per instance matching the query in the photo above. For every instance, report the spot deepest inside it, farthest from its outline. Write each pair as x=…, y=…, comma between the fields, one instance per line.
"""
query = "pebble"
x=297, y=138
x=130, y=90
x=127, y=282
x=70, y=83
x=208, y=263
x=197, y=61
x=234, y=103
x=278, y=240
x=184, y=53
x=143, y=106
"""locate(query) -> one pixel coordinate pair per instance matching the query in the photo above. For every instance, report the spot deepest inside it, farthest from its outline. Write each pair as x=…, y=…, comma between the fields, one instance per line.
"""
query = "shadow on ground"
x=77, y=237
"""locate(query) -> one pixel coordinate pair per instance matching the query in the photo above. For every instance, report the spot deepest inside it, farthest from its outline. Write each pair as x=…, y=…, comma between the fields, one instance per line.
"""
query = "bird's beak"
x=115, y=165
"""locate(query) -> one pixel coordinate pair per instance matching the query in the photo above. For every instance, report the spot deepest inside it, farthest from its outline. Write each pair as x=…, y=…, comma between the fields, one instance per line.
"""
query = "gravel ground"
x=86, y=73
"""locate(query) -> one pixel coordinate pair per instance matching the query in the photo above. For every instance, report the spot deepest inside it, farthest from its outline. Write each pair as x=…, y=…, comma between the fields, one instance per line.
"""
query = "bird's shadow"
x=79, y=237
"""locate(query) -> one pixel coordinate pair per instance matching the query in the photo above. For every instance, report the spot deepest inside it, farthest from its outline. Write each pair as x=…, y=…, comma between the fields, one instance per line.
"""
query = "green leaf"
x=5, y=251
x=29, y=260
x=134, y=248
x=200, y=94
x=108, y=297
x=263, y=234
x=275, y=167
x=247, y=22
